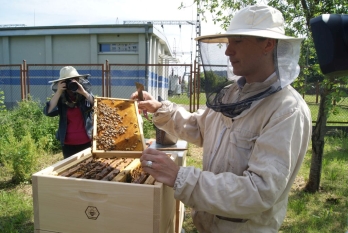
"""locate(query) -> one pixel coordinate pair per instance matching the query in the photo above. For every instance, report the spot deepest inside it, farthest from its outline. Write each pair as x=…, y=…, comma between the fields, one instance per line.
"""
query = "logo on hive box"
x=92, y=212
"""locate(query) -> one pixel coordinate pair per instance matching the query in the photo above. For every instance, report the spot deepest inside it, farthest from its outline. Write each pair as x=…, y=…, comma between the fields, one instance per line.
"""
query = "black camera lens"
x=72, y=86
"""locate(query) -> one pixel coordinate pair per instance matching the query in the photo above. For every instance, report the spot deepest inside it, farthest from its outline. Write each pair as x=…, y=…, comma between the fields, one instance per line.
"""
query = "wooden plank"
x=150, y=180
x=140, y=179
x=66, y=167
x=167, y=208
x=157, y=209
x=122, y=177
x=51, y=170
x=71, y=170
x=36, y=208
x=97, y=168
x=94, y=140
x=119, y=205
x=117, y=154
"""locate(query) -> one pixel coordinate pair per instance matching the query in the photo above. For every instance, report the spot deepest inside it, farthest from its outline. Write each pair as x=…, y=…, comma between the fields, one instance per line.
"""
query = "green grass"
x=184, y=99
x=16, y=211
x=16, y=202
x=327, y=210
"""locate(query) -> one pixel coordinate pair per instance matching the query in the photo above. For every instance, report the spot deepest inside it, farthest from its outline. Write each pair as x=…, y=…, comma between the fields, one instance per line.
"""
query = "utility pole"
x=175, y=22
x=196, y=67
x=198, y=33
x=194, y=82
x=161, y=22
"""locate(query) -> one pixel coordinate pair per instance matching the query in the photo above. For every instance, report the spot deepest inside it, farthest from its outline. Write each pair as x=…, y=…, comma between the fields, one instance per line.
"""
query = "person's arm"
x=84, y=93
x=54, y=100
x=173, y=119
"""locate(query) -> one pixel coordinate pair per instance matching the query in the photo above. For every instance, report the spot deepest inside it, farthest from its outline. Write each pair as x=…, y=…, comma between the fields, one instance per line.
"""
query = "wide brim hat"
x=256, y=20
x=68, y=72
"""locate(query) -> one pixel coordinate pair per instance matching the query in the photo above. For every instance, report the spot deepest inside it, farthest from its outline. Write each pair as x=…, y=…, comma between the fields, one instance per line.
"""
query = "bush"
x=26, y=133
x=28, y=117
x=2, y=101
x=20, y=157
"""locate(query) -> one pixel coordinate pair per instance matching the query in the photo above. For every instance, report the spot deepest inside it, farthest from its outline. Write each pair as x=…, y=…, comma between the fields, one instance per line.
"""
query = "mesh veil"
x=218, y=74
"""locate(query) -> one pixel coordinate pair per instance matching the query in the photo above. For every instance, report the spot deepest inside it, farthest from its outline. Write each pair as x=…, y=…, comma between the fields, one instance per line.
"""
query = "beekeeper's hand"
x=150, y=104
x=160, y=166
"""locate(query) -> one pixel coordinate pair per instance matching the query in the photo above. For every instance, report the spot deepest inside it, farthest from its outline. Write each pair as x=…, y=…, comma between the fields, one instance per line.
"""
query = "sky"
x=85, y=12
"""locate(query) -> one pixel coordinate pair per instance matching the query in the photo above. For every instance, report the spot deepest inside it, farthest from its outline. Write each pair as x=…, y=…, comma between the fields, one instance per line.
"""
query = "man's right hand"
x=150, y=104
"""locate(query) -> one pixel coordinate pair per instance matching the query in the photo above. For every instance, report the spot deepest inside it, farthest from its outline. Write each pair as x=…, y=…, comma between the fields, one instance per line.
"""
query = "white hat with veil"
x=258, y=21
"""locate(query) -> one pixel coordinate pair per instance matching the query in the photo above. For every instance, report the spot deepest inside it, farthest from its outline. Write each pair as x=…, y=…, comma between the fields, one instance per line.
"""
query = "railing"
x=176, y=82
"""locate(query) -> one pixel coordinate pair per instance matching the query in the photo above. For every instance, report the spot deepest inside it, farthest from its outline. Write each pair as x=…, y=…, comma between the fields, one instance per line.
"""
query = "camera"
x=72, y=86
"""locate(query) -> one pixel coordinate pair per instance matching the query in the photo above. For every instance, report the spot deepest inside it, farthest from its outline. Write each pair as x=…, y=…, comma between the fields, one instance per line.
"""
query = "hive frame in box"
x=64, y=204
x=131, y=144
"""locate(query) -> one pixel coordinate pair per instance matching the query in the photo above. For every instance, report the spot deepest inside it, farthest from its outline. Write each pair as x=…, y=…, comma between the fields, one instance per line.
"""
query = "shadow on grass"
x=20, y=222
x=7, y=184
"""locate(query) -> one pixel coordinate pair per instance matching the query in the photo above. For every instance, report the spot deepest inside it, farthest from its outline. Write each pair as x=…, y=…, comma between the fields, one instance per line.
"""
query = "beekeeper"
x=254, y=132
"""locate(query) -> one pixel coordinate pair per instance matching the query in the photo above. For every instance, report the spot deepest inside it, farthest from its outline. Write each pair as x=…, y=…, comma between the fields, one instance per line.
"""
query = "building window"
x=118, y=47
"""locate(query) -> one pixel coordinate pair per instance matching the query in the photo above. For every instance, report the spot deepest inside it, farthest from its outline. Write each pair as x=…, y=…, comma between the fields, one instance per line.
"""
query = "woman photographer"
x=73, y=103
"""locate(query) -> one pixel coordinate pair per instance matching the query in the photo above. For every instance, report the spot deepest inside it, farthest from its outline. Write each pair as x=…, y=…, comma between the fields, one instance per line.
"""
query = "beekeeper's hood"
x=259, y=21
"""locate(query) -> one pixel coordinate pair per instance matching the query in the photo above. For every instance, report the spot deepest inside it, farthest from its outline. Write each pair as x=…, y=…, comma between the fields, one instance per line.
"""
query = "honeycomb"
x=117, y=126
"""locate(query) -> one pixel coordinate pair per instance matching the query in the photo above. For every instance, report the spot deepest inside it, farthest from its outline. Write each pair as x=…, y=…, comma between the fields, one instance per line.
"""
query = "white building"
x=84, y=46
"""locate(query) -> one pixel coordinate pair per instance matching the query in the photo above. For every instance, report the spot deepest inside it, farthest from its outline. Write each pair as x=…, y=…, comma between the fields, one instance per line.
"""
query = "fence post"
x=106, y=81
x=194, y=86
x=25, y=80
x=21, y=78
x=198, y=85
x=317, y=92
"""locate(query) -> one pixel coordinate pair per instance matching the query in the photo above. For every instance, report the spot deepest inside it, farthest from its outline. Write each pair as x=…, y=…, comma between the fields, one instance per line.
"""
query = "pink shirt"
x=75, y=133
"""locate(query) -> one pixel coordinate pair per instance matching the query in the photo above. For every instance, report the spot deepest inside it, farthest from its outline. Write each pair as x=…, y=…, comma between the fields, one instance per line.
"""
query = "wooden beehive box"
x=70, y=204
x=117, y=129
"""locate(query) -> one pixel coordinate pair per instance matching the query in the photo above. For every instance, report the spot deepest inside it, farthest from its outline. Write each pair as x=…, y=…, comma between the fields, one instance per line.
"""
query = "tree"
x=297, y=15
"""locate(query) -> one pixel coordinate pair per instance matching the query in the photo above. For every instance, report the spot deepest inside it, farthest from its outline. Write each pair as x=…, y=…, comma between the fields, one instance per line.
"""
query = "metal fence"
x=176, y=82
x=108, y=80
x=339, y=113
